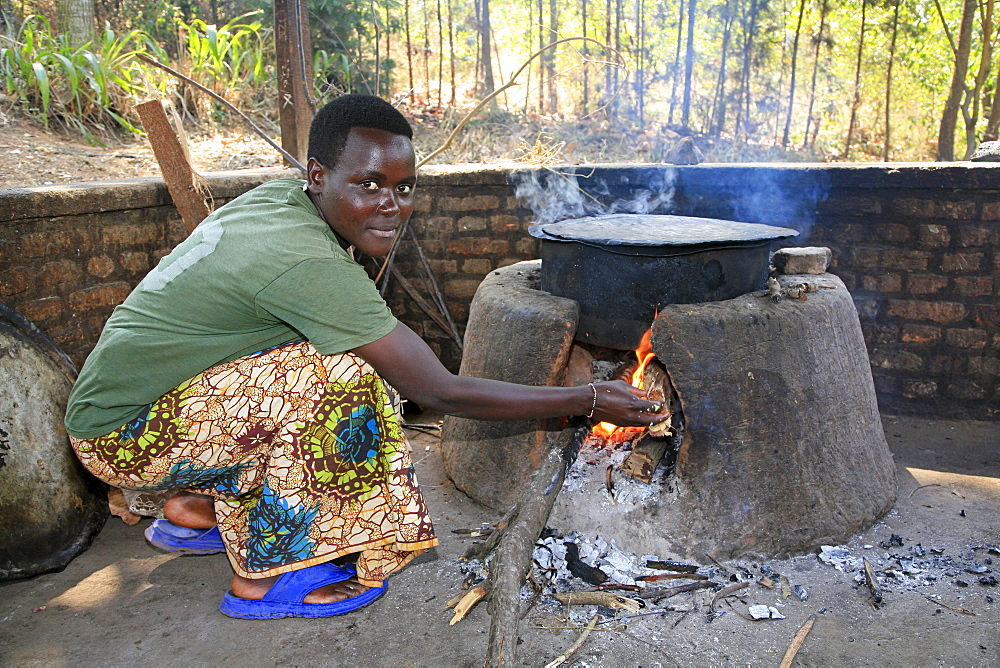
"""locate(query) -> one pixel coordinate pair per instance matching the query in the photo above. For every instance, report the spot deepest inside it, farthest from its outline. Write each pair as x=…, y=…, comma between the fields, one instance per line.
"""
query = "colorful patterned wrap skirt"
x=302, y=452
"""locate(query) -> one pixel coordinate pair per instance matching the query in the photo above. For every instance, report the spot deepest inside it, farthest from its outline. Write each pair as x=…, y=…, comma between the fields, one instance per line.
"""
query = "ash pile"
x=591, y=576
x=893, y=567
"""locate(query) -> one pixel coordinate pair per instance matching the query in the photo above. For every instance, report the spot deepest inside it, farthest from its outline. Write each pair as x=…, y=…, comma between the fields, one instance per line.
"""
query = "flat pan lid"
x=654, y=230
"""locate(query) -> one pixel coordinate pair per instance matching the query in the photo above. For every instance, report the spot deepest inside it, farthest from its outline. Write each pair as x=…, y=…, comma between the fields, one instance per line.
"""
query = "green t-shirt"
x=263, y=270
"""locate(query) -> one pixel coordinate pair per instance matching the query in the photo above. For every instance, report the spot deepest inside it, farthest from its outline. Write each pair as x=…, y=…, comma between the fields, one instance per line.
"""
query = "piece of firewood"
x=656, y=380
x=469, y=600
x=796, y=645
x=672, y=576
x=564, y=657
x=606, y=598
x=728, y=591
x=512, y=557
x=453, y=601
x=647, y=452
x=872, y=583
x=659, y=593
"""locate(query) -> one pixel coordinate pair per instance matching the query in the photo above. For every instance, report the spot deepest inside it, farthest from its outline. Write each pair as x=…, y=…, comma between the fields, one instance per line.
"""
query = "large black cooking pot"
x=50, y=508
x=622, y=268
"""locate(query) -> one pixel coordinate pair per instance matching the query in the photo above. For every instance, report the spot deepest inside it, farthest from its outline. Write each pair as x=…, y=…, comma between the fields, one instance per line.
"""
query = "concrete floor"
x=125, y=603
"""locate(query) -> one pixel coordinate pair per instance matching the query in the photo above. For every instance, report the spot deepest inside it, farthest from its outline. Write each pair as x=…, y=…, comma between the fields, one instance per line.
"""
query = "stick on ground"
x=797, y=641
x=562, y=658
x=512, y=558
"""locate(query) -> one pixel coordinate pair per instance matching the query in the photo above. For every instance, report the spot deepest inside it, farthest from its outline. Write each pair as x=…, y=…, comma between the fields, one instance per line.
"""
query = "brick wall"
x=70, y=253
x=916, y=245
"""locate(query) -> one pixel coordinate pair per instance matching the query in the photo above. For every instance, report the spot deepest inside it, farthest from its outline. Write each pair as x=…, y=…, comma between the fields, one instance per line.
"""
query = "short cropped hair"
x=331, y=125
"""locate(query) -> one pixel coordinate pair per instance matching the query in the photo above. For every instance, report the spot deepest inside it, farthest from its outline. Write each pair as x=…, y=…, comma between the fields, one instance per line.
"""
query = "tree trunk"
x=440, y=53
x=484, y=38
x=743, y=108
x=949, y=118
x=717, y=121
x=688, y=65
x=550, y=57
x=542, y=76
x=586, y=65
x=451, y=52
x=608, y=92
x=427, y=55
x=856, y=98
x=409, y=44
x=888, y=82
x=615, y=72
x=985, y=62
x=993, y=124
x=675, y=70
x=791, y=84
x=378, y=52
x=78, y=19
x=820, y=39
x=640, y=94
x=388, y=54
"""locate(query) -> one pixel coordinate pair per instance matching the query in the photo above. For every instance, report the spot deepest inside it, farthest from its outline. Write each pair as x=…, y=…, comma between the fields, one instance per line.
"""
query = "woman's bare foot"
x=193, y=511
x=331, y=593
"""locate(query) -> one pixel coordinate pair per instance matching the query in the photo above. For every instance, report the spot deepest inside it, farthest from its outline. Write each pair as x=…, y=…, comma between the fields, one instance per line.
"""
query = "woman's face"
x=368, y=195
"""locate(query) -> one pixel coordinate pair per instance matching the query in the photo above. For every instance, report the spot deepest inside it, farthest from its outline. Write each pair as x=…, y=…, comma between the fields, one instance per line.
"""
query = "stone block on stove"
x=804, y=260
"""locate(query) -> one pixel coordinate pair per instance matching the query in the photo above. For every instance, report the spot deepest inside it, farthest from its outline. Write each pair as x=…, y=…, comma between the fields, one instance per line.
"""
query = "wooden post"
x=174, y=165
x=294, y=61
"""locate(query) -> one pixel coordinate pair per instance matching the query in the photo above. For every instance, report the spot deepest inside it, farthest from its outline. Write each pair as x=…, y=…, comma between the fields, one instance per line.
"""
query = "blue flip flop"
x=166, y=535
x=285, y=598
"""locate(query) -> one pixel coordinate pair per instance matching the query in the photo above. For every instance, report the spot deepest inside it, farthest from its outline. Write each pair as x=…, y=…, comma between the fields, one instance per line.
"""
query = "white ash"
x=905, y=568
x=589, y=475
x=603, y=370
x=551, y=568
x=764, y=612
x=840, y=557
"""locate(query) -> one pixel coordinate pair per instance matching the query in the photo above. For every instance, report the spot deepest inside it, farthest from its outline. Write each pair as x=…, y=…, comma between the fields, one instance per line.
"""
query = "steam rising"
x=785, y=198
x=779, y=196
x=553, y=196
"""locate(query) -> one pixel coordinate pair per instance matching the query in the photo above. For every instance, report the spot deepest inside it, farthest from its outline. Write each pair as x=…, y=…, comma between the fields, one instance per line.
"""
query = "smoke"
x=560, y=195
x=778, y=196
x=785, y=198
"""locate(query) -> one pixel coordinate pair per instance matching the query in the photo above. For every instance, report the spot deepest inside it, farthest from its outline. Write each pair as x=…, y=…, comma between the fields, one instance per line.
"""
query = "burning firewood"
x=656, y=380
x=648, y=450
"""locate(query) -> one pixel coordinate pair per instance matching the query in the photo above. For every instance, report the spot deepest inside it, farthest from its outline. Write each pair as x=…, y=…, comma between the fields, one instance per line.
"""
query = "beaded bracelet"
x=594, y=405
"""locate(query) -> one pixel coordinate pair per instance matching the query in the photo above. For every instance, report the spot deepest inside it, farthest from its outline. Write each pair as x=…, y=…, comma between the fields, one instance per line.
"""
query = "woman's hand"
x=619, y=403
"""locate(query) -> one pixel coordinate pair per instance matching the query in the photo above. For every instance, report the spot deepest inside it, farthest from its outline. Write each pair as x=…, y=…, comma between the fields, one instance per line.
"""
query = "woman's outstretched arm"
x=409, y=365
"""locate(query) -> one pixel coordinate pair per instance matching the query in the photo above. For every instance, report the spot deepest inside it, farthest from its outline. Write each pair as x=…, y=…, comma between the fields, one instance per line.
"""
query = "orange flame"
x=643, y=354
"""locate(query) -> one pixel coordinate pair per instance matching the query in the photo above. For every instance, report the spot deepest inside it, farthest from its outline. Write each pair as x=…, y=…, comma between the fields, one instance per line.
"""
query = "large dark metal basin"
x=622, y=268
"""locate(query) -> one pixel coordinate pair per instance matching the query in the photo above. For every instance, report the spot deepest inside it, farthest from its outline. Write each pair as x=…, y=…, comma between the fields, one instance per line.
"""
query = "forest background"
x=749, y=80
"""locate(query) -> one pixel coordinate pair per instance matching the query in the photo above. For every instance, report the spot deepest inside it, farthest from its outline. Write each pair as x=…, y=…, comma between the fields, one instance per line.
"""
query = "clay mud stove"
x=774, y=445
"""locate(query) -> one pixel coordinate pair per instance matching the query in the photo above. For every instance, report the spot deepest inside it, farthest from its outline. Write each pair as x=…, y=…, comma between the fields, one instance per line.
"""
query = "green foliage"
x=361, y=46
x=231, y=56
x=88, y=89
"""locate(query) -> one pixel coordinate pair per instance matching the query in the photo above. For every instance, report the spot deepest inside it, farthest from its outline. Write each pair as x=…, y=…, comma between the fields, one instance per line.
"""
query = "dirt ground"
x=30, y=155
x=125, y=603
